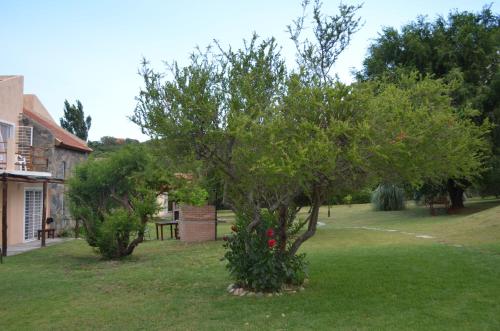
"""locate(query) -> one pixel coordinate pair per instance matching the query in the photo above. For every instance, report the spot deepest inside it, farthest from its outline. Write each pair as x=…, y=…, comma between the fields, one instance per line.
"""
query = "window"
x=63, y=169
x=6, y=131
x=63, y=211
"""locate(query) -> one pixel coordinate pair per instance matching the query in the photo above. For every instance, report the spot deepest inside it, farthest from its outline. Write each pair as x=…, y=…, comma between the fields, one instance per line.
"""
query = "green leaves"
x=462, y=49
x=115, y=197
x=256, y=264
x=283, y=139
x=189, y=193
x=74, y=120
x=416, y=136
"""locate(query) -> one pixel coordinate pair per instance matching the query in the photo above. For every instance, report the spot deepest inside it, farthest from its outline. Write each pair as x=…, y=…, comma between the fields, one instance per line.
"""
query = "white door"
x=32, y=213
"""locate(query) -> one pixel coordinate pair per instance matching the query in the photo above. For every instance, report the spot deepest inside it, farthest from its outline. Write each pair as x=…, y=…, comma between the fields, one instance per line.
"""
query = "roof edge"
x=65, y=146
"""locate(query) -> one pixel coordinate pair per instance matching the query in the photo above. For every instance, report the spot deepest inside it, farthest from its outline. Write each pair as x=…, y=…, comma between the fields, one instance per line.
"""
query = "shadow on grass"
x=477, y=206
x=471, y=207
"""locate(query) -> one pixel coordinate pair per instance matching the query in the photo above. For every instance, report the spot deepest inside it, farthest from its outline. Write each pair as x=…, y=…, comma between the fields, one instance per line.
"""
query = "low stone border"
x=240, y=291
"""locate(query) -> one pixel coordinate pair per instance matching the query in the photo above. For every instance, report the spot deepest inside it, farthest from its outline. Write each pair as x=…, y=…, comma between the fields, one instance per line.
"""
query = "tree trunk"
x=77, y=228
x=130, y=248
x=139, y=239
x=283, y=218
x=456, y=193
x=313, y=221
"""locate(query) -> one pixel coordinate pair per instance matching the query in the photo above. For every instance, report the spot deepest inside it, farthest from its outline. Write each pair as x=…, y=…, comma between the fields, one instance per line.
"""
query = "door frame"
x=31, y=188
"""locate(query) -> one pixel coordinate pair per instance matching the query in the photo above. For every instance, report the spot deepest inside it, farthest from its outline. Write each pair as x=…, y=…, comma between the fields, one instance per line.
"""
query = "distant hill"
x=109, y=144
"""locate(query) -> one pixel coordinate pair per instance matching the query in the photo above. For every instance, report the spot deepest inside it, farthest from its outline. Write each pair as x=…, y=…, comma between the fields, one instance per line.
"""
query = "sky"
x=91, y=50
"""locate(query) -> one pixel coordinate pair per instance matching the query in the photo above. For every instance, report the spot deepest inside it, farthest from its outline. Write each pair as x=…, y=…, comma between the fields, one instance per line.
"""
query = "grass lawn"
x=368, y=271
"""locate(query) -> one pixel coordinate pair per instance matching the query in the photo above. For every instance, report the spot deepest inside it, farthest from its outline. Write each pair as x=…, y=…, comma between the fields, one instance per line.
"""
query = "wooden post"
x=4, y=216
x=44, y=212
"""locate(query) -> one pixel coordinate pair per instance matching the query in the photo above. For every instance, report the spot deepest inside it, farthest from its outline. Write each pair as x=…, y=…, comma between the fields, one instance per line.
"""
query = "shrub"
x=347, y=199
x=115, y=233
x=363, y=196
x=388, y=197
x=114, y=198
x=256, y=263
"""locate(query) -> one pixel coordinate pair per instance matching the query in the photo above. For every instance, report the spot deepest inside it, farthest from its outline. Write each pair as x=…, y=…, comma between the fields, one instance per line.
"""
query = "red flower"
x=270, y=232
x=271, y=243
x=225, y=238
x=234, y=228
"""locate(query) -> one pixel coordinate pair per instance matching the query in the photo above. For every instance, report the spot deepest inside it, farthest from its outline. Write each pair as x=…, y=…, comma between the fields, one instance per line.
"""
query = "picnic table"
x=174, y=229
x=439, y=200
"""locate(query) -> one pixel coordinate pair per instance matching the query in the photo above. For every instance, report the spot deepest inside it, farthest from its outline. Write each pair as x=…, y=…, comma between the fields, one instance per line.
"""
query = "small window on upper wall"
x=6, y=131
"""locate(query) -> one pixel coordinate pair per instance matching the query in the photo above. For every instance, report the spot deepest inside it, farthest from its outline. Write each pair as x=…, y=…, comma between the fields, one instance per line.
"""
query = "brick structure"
x=197, y=223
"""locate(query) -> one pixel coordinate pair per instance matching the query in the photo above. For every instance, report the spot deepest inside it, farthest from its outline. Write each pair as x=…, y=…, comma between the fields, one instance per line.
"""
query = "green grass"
x=360, y=279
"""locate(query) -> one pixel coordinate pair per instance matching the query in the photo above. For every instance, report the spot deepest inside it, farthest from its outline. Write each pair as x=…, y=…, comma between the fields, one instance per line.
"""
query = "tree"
x=109, y=144
x=74, y=120
x=463, y=49
x=284, y=139
x=115, y=197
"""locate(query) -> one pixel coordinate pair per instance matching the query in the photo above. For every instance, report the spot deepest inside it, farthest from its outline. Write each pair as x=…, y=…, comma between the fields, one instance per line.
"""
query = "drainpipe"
x=4, y=215
x=44, y=212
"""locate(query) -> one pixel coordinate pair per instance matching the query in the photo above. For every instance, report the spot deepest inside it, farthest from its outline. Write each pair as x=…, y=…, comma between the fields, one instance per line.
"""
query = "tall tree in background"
x=463, y=48
x=74, y=120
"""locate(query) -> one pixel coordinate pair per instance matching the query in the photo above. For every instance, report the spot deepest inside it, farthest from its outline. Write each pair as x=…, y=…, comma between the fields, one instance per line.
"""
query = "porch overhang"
x=29, y=176
x=24, y=177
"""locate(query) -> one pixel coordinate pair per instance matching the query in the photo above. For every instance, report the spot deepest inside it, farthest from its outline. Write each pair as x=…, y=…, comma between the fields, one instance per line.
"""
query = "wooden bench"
x=50, y=233
x=439, y=200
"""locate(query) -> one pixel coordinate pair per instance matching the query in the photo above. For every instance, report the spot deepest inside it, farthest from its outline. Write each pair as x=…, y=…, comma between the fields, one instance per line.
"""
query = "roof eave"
x=74, y=148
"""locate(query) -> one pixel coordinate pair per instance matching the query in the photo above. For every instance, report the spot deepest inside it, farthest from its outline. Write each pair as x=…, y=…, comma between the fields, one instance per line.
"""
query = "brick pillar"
x=197, y=223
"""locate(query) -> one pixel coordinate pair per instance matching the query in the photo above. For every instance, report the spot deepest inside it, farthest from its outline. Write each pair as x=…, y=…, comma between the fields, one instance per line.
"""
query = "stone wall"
x=43, y=143
x=197, y=223
x=62, y=166
x=61, y=163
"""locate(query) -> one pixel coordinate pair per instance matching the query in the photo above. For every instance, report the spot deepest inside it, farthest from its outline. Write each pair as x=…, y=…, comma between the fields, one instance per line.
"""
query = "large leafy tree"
x=285, y=138
x=462, y=48
x=74, y=120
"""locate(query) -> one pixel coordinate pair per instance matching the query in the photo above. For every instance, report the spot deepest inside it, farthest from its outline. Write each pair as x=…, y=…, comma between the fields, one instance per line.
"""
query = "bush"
x=256, y=263
x=363, y=196
x=347, y=200
x=115, y=233
x=115, y=197
x=388, y=197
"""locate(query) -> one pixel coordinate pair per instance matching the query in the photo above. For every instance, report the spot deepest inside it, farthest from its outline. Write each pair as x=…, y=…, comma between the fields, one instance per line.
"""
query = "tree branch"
x=313, y=221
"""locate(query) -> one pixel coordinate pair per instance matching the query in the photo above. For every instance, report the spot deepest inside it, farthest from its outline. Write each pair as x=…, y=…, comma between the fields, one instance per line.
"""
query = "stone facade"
x=62, y=165
x=60, y=162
